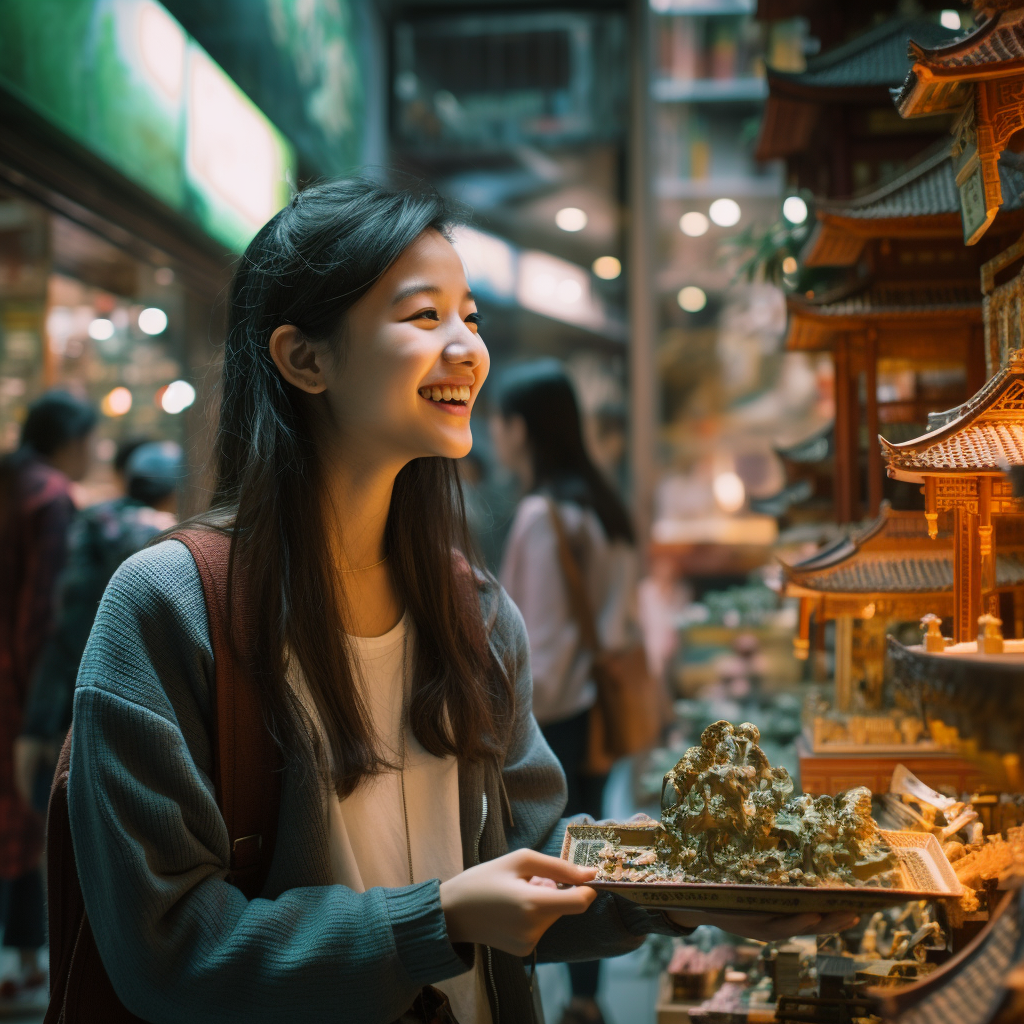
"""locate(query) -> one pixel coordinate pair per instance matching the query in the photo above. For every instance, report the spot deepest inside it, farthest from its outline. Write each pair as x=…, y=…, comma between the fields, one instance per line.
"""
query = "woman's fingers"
x=562, y=901
x=531, y=863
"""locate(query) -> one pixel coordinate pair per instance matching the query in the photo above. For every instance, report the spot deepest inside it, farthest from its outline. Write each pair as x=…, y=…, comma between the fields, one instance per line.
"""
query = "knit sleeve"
x=178, y=941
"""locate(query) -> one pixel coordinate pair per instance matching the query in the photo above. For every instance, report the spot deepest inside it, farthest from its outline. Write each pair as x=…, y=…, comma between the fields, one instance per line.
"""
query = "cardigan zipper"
x=487, y=949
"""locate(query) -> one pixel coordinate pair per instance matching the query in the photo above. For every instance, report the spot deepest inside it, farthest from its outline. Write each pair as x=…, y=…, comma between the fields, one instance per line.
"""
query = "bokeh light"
x=607, y=268
x=694, y=224
x=790, y=265
x=571, y=218
x=729, y=492
x=725, y=212
x=152, y=321
x=949, y=19
x=794, y=209
x=101, y=329
x=116, y=402
x=692, y=299
x=177, y=397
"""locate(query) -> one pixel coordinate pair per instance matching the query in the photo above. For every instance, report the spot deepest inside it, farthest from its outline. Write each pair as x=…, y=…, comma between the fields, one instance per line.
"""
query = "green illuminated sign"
x=124, y=78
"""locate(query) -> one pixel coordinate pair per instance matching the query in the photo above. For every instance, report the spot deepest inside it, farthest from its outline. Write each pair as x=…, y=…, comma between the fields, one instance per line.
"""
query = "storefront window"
x=80, y=314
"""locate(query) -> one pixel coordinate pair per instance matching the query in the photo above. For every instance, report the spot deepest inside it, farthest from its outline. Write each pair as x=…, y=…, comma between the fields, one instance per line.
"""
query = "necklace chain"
x=401, y=729
x=363, y=568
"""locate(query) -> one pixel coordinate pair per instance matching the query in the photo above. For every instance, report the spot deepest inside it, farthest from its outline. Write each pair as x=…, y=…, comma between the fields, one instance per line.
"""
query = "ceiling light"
x=790, y=265
x=571, y=218
x=725, y=212
x=101, y=329
x=692, y=299
x=794, y=209
x=152, y=321
x=116, y=402
x=607, y=268
x=693, y=224
x=949, y=19
x=177, y=397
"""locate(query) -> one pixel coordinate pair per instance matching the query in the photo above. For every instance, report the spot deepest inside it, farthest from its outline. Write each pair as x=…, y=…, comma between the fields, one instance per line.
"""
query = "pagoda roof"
x=816, y=321
x=875, y=59
x=815, y=447
x=892, y=555
x=922, y=202
x=982, y=436
x=939, y=77
x=862, y=70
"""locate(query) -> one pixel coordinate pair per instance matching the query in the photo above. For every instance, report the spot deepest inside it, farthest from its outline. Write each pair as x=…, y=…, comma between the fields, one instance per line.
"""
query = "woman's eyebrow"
x=420, y=289
x=416, y=289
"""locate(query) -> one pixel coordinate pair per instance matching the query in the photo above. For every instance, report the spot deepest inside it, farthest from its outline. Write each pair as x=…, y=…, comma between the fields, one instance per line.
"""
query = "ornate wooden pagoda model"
x=980, y=79
x=961, y=464
x=911, y=300
x=891, y=571
x=961, y=461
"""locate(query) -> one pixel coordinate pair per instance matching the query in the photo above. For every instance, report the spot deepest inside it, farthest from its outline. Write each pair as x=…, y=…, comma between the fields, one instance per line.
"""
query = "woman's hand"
x=765, y=927
x=510, y=902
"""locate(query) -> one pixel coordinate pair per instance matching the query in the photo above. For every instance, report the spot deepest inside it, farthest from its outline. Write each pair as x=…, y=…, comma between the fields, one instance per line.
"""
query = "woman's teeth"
x=459, y=393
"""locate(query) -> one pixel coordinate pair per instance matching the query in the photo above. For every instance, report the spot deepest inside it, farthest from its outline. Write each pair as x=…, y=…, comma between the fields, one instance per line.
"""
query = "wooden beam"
x=841, y=463
x=844, y=663
x=643, y=383
x=966, y=575
x=875, y=468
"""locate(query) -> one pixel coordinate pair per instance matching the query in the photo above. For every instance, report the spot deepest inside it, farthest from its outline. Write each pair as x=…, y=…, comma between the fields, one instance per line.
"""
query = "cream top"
x=367, y=829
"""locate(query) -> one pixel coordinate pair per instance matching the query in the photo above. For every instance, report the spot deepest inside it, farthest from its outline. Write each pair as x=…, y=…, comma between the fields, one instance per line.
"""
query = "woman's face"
x=403, y=381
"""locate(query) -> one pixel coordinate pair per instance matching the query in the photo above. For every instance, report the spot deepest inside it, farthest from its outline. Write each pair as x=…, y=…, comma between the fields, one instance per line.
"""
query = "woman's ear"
x=296, y=359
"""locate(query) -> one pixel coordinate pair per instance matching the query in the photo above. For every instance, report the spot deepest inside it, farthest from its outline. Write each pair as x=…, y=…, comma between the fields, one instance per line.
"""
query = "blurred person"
x=100, y=539
x=36, y=510
x=661, y=598
x=538, y=435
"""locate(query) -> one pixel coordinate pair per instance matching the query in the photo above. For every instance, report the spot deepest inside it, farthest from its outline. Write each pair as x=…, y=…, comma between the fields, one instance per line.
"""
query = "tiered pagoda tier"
x=891, y=571
x=979, y=78
x=834, y=122
x=961, y=463
x=911, y=299
x=807, y=493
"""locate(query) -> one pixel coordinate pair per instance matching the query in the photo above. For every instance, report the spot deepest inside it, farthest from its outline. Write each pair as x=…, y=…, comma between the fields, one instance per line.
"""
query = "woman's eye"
x=475, y=318
x=423, y=314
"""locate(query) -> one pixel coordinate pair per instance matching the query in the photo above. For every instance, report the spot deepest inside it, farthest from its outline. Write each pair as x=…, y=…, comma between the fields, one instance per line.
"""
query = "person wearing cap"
x=101, y=538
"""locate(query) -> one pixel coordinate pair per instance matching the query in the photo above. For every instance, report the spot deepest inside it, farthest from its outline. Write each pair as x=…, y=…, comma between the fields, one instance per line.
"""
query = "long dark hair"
x=307, y=267
x=543, y=395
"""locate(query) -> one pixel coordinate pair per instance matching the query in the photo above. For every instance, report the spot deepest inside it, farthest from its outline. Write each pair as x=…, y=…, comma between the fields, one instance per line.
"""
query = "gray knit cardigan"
x=179, y=942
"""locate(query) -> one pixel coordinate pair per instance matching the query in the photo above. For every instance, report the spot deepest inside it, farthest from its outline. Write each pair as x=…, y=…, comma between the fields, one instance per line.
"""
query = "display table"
x=832, y=773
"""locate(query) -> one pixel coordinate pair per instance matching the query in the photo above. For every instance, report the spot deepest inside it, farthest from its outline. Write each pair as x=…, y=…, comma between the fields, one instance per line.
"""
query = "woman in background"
x=537, y=434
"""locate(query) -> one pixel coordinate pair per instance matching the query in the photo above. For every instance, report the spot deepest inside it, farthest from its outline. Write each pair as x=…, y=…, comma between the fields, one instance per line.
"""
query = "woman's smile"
x=451, y=396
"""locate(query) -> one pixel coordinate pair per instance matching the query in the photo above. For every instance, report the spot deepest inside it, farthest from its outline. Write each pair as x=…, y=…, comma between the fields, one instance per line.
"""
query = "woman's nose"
x=466, y=351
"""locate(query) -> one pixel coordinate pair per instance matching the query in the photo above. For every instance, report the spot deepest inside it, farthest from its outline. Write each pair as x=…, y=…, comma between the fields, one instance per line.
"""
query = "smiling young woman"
x=420, y=805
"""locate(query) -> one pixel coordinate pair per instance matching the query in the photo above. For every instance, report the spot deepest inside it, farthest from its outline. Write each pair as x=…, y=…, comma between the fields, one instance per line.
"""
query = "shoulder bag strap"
x=247, y=761
x=579, y=601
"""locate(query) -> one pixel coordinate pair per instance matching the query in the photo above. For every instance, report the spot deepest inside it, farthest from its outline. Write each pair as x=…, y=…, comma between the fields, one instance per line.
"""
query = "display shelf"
x=760, y=187
x=703, y=7
x=710, y=90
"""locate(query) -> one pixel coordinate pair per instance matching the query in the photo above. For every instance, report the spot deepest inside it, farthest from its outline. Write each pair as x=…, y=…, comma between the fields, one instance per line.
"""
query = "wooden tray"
x=927, y=875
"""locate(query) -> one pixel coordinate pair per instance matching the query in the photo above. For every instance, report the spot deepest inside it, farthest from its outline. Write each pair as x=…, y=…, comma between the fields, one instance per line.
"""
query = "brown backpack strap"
x=247, y=763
